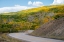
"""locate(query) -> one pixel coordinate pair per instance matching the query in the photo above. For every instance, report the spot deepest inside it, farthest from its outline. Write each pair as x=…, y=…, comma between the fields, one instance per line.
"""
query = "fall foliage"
x=29, y=19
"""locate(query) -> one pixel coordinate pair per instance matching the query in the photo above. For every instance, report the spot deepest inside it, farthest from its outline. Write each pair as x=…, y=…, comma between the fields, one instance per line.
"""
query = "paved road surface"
x=24, y=36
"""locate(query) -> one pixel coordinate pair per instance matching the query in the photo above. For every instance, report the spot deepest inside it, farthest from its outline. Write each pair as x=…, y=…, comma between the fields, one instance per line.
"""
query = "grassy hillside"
x=29, y=19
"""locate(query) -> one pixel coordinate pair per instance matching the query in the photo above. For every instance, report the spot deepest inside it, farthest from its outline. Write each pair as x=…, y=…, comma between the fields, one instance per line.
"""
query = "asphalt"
x=24, y=36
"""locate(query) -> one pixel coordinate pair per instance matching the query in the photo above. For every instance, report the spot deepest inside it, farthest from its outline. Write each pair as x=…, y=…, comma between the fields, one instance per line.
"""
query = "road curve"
x=24, y=36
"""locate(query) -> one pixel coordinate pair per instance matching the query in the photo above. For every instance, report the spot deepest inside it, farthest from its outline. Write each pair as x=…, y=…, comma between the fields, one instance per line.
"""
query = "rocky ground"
x=53, y=29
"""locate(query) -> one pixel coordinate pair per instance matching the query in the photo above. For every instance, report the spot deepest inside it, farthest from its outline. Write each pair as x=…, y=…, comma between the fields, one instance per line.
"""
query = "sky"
x=17, y=5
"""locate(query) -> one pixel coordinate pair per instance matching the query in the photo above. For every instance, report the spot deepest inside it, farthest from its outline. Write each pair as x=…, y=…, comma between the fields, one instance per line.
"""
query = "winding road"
x=24, y=36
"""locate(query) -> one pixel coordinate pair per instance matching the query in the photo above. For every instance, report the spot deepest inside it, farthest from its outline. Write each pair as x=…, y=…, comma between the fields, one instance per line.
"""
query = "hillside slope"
x=52, y=29
x=17, y=21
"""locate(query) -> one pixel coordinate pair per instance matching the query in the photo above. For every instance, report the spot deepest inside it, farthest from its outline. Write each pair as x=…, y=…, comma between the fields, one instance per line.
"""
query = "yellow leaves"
x=11, y=22
x=45, y=20
x=45, y=9
x=4, y=20
x=52, y=18
x=34, y=10
x=26, y=25
x=36, y=20
x=60, y=14
x=24, y=15
x=18, y=29
x=36, y=27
